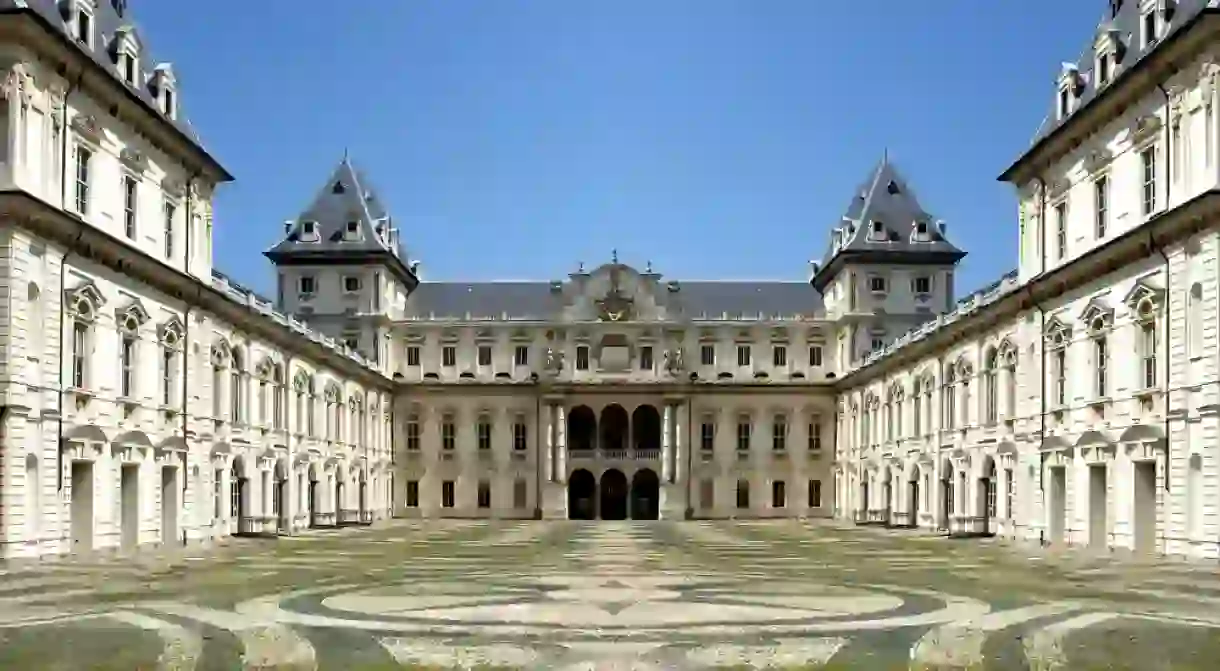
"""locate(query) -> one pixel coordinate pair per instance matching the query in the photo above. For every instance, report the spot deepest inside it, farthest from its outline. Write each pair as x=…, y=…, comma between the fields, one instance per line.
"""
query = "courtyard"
x=611, y=595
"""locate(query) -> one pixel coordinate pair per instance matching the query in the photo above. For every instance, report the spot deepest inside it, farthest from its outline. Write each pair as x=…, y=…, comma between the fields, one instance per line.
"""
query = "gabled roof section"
x=112, y=20
x=1120, y=35
x=346, y=222
x=884, y=221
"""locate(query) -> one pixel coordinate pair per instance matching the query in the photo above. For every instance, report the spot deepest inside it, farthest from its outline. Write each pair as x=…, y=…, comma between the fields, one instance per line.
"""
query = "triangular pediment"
x=170, y=332
x=1058, y=332
x=133, y=310
x=84, y=299
x=1142, y=290
x=1096, y=308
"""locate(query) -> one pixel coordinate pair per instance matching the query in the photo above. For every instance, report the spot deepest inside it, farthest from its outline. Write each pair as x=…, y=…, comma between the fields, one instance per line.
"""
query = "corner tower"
x=341, y=265
x=889, y=266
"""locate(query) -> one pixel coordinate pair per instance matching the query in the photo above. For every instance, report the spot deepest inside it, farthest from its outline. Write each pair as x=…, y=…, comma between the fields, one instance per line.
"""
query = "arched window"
x=220, y=359
x=964, y=374
x=1194, y=323
x=1194, y=496
x=990, y=387
x=237, y=397
x=916, y=408
x=928, y=390
x=1010, y=382
x=948, y=398
x=33, y=498
x=277, y=396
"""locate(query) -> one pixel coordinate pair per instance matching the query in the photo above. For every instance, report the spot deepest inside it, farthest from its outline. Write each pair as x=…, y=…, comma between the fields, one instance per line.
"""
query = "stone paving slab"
x=611, y=595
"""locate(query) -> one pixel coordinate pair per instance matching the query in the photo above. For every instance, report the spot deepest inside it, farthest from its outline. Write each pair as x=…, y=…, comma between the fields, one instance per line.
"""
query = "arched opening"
x=582, y=429
x=645, y=495
x=946, y=493
x=913, y=496
x=582, y=495
x=314, y=492
x=887, y=494
x=987, y=496
x=278, y=494
x=613, y=428
x=614, y=493
x=646, y=428
x=340, y=502
x=237, y=494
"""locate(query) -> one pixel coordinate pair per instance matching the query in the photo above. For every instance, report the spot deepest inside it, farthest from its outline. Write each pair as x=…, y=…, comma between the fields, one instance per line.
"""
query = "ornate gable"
x=1058, y=334
x=84, y=301
x=302, y=382
x=1144, y=128
x=131, y=316
x=220, y=352
x=1144, y=300
x=1097, y=316
x=171, y=331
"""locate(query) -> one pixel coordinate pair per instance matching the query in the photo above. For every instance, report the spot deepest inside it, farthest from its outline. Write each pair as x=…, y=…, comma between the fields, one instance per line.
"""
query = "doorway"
x=582, y=495
x=913, y=497
x=645, y=495
x=1099, y=527
x=1144, y=504
x=613, y=495
x=169, y=505
x=129, y=506
x=1057, y=504
x=82, y=506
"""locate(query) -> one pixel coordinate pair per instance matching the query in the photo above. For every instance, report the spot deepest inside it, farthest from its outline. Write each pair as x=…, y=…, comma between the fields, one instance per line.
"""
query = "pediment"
x=1097, y=315
x=302, y=382
x=1058, y=333
x=1097, y=159
x=170, y=332
x=132, y=315
x=1144, y=128
x=134, y=160
x=1144, y=299
x=221, y=352
x=87, y=126
x=85, y=299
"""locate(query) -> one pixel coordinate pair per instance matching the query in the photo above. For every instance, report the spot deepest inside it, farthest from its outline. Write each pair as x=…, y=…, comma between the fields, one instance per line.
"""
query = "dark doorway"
x=645, y=495
x=582, y=429
x=614, y=495
x=913, y=496
x=313, y=503
x=582, y=496
x=645, y=429
x=614, y=430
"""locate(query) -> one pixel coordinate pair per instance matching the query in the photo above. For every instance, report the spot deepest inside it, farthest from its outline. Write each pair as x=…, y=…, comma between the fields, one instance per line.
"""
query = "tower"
x=341, y=266
x=889, y=266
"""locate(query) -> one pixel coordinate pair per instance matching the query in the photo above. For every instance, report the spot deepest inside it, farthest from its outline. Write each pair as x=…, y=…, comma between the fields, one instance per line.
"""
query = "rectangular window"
x=815, y=356
x=520, y=435
x=413, y=355
x=521, y=355
x=83, y=156
x=170, y=213
x=815, y=494
x=130, y=200
x=876, y=284
x=582, y=357
x=484, y=494
x=448, y=434
x=743, y=355
x=1148, y=347
x=449, y=356
x=743, y=494
x=127, y=364
x=305, y=284
x=1059, y=365
x=484, y=355
x=1148, y=176
x=1061, y=236
x=169, y=375
x=1101, y=195
x=707, y=355
x=646, y=358
x=217, y=494
x=413, y=441
x=483, y=430
x=779, y=495
x=707, y=437
x=815, y=437
x=779, y=433
x=743, y=435
x=351, y=284
x=779, y=356
x=520, y=494
x=1103, y=69
x=447, y=494
x=1148, y=23
x=80, y=352
x=922, y=285
x=1101, y=357
x=1065, y=102
x=412, y=493
x=1010, y=492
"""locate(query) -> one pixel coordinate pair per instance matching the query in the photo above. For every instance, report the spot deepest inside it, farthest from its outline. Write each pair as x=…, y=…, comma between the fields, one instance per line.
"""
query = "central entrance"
x=645, y=495
x=613, y=495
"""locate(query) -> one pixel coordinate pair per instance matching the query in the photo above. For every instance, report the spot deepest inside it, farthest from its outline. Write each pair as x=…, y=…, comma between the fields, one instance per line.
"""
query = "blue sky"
x=718, y=139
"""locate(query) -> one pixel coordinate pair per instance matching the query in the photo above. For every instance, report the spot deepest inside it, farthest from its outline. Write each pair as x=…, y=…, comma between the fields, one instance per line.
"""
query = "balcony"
x=639, y=454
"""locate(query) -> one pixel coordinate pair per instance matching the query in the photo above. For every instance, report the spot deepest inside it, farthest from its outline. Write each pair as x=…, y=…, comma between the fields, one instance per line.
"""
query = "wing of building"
x=148, y=399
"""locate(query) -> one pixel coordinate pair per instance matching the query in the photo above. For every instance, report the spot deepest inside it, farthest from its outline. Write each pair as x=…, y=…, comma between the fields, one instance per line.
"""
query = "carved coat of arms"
x=615, y=306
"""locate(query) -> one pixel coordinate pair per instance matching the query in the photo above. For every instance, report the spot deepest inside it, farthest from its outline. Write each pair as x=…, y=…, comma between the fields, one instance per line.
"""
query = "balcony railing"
x=639, y=454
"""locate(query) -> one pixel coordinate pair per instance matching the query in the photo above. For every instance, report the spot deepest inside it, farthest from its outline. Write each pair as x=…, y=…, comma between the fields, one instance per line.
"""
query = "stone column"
x=561, y=444
x=678, y=427
x=548, y=453
x=667, y=425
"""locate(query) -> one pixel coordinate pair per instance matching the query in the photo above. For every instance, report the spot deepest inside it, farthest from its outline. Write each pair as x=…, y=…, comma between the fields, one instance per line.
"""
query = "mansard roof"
x=112, y=18
x=346, y=197
x=881, y=223
x=1118, y=32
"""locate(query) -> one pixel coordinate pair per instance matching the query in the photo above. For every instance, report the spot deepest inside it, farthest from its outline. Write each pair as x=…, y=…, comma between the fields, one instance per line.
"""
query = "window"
x=922, y=285
x=217, y=494
x=127, y=365
x=521, y=355
x=815, y=494
x=413, y=355
x=916, y=411
x=1148, y=171
x=413, y=433
x=646, y=358
x=305, y=284
x=707, y=355
x=351, y=341
x=84, y=27
x=779, y=433
x=412, y=493
x=1010, y=492
x=127, y=66
x=129, y=206
x=1149, y=26
x=236, y=485
x=170, y=211
x=309, y=229
x=236, y=397
x=815, y=437
x=876, y=345
x=582, y=357
x=1101, y=189
x=169, y=372
x=484, y=494
x=779, y=356
x=1103, y=69
x=876, y=284
x=991, y=388
x=484, y=355
x=83, y=156
x=743, y=355
x=1059, y=370
x=218, y=383
x=815, y=356
x=707, y=437
x=743, y=494
x=1061, y=236
x=520, y=435
x=1101, y=361
x=743, y=435
x=447, y=494
x=449, y=356
x=167, y=98
x=448, y=434
x=1065, y=102
x=949, y=399
x=779, y=496
x=352, y=230
x=351, y=284
x=1148, y=347
x=483, y=431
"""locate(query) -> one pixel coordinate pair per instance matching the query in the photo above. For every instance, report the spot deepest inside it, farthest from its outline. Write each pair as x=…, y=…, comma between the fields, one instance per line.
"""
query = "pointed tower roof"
x=345, y=222
x=884, y=223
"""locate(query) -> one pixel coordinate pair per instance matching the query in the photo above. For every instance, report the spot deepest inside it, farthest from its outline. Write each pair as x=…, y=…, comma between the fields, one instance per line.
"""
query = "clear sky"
x=718, y=139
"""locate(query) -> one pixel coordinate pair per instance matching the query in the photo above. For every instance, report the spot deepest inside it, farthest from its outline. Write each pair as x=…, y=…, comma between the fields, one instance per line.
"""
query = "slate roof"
x=109, y=18
x=1121, y=23
x=733, y=300
x=346, y=196
x=885, y=199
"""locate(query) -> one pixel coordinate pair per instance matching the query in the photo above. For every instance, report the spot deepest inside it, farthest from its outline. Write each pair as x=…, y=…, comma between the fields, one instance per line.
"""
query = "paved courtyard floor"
x=611, y=595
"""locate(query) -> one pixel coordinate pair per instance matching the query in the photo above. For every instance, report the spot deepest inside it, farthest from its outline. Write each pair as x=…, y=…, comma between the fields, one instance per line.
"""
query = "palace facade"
x=147, y=399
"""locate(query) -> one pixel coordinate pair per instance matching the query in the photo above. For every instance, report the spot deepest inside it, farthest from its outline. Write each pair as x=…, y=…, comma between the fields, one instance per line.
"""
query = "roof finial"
x=648, y=267
x=614, y=255
x=580, y=266
x=885, y=155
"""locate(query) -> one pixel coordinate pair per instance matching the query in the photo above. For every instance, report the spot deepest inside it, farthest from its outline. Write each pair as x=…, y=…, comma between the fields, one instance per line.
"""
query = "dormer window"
x=878, y=228
x=163, y=85
x=309, y=229
x=1149, y=28
x=1065, y=102
x=84, y=25
x=1103, y=69
x=352, y=230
